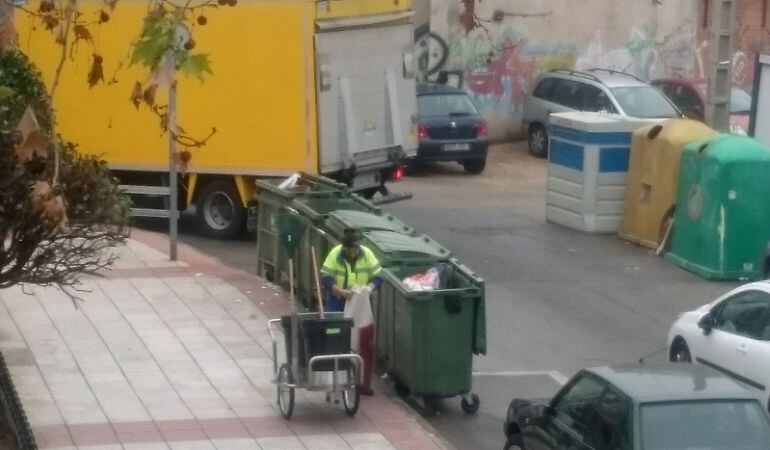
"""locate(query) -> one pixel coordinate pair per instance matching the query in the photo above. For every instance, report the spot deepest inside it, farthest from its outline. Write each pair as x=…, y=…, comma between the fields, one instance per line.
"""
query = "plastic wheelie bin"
x=426, y=339
x=365, y=221
x=653, y=176
x=722, y=214
x=311, y=198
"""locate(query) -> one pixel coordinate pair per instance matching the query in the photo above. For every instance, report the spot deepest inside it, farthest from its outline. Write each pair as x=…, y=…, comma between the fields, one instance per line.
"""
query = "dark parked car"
x=449, y=128
x=642, y=407
x=689, y=95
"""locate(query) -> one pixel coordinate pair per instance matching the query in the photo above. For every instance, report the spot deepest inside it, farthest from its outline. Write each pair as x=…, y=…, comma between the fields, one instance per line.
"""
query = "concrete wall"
x=501, y=45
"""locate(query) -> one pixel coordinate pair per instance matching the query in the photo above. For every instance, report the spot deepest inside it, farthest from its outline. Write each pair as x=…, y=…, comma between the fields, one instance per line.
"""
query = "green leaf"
x=196, y=65
x=156, y=38
x=6, y=92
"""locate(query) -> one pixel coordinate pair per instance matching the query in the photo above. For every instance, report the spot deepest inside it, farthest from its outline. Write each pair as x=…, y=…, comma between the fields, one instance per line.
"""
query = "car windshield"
x=644, y=102
x=704, y=425
x=740, y=100
x=445, y=105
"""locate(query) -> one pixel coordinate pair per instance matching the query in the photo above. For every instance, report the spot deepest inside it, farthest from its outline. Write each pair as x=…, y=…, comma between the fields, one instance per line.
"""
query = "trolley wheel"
x=401, y=389
x=471, y=407
x=351, y=398
x=285, y=393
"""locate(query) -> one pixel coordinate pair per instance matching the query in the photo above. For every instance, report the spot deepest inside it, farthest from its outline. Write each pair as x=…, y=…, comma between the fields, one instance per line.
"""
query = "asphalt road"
x=557, y=300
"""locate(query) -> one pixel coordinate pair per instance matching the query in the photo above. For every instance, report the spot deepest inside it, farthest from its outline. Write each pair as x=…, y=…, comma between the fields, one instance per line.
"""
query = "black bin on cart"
x=317, y=337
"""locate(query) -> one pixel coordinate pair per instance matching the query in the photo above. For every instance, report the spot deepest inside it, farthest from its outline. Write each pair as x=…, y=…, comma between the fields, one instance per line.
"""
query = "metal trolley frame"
x=291, y=375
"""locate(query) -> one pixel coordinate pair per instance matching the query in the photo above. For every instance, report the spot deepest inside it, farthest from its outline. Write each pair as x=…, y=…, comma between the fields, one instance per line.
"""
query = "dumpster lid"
x=730, y=148
x=397, y=248
x=366, y=221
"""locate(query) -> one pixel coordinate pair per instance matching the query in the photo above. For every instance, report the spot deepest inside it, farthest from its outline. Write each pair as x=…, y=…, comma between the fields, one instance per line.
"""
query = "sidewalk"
x=164, y=354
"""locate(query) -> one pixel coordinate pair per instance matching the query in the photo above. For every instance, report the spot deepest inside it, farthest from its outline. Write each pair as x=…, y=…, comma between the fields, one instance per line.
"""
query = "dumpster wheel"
x=401, y=389
x=285, y=393
x=351, y=398
x=471, y=406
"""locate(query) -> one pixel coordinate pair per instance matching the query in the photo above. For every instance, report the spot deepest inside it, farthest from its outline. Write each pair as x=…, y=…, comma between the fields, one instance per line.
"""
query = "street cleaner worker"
x=349, y=268
x=347, y=265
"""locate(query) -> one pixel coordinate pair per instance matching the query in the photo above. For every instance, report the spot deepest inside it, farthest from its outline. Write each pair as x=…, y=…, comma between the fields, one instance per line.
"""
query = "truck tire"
x=219, y=210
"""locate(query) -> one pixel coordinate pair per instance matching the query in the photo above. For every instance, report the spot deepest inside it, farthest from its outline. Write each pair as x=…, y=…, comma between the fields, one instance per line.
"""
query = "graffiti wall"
x=500, y=46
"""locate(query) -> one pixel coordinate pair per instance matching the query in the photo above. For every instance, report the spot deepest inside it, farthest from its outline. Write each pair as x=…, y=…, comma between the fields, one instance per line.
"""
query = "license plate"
x=456, y=147
x=364, y=180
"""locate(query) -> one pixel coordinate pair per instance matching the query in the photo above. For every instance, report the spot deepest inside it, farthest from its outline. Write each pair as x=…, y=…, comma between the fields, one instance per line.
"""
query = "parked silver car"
x=593, y=90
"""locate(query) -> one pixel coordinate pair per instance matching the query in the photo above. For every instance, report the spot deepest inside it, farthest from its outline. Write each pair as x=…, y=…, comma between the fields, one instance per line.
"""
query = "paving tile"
x=324, y=441
x=280, y=443
x=192, y=445
x=146, y=446
x=367, y=441
x=51, y=436
x=235, y=444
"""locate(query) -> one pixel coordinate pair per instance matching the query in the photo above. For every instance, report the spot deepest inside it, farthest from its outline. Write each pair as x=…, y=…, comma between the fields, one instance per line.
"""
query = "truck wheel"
x=219, y=210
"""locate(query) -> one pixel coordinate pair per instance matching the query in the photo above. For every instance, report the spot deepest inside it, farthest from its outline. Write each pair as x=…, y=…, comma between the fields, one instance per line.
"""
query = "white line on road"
x=555, y=375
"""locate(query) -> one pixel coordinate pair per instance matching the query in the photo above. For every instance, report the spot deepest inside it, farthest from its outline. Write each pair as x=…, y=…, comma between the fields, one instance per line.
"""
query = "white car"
x=731, y=334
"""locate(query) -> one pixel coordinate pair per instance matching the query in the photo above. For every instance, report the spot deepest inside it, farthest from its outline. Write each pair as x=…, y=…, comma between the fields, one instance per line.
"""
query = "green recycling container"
x=312, y=198
x=426, y=339
x=722, y=211
x=365, y=221
x=396, y=249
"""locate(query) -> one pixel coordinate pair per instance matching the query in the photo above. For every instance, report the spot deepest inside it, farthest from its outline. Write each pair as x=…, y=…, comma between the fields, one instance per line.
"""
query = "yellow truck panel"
x=260, y=98
x=296, y=87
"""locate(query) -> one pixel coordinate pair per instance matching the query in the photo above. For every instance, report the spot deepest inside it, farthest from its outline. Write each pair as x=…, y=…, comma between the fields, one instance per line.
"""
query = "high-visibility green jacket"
x=337, y=270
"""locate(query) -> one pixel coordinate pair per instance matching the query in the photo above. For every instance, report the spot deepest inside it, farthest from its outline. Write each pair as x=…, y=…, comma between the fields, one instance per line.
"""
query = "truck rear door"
x=366, y=94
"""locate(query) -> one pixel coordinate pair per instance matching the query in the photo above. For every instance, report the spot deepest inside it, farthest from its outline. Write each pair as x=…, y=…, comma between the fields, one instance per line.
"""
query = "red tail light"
x=422, y=131
x=398, y=173
x=482, y=130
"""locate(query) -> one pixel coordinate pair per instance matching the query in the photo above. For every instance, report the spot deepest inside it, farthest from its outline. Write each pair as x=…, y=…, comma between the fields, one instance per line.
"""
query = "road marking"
x=554, y=374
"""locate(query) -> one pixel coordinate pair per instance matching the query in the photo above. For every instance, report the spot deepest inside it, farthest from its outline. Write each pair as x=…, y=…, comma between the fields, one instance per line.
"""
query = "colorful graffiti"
x=643, y=55
x=499, y=74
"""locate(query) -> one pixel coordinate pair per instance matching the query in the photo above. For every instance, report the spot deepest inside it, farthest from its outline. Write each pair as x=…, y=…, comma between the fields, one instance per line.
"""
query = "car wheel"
x=538, y=141
x=474, y=166
x=680, y=352
x=514, y=442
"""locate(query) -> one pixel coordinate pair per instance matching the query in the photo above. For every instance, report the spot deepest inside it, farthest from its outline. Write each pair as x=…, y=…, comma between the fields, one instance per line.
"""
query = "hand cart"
x=318, y=350
x=314, y=360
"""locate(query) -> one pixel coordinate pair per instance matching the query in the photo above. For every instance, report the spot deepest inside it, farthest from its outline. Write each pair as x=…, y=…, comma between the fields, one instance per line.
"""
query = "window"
x=543, y=89
x=609, y=425
x=595, y=100
x=445, y=104
x=574, y=409
x=644, y=102
x=688, y=101
x=566, y=92
x=743, y=314
x=727, y=424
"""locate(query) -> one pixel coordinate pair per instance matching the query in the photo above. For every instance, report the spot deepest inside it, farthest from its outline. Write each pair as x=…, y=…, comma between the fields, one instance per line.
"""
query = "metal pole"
x=720, y=72
x=172, y=160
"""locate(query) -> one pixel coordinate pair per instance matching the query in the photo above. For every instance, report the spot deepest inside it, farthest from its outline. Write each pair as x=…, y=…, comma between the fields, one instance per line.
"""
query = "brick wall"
x=752, y=36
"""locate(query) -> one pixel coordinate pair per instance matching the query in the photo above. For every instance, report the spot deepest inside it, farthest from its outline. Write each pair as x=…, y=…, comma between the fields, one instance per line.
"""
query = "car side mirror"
x=706, y=323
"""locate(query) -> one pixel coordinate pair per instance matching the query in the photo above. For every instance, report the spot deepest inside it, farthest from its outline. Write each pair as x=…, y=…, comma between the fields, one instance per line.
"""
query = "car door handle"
x=742, y=349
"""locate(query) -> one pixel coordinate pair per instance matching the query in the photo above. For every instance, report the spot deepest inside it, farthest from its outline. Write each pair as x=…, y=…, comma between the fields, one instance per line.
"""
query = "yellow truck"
x=323, y=87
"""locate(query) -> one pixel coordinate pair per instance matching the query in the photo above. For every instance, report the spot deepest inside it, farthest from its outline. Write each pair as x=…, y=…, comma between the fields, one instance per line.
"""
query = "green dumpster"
x=426, y=339
x=720, y=222
x=312, y=198
x=396, y=249
x=365, y=221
